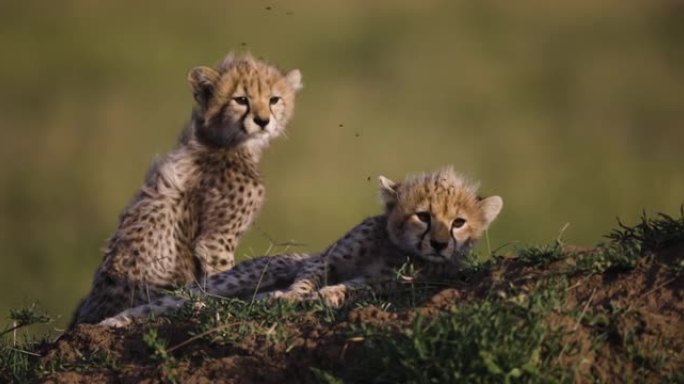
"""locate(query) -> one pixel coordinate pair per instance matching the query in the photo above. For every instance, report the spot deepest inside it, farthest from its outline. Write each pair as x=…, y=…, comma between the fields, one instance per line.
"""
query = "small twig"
x=25, y=352
x=258, y=285
x=289, y=243
x=201, y=335
x=584, y=311
x=489, y=245
x=660, y=286
x=573, y=286
x=505, y=245
x=586, y=306
x=14, y=330
x=559, y=238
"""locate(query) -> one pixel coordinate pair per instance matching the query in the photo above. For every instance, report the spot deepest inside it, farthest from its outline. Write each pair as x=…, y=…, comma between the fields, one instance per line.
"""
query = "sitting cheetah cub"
x=197, y=201
x=431, y=220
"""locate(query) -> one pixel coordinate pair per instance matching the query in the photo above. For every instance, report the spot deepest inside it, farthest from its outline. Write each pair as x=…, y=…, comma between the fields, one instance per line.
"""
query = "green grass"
x=652, y=233
x=19, y=362
x=18, y=359
x=484, y=342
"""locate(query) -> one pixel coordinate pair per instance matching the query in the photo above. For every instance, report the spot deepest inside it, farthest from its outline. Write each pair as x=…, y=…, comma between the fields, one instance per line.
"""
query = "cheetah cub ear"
x=294, y=79
x=490, y=208
x=388, y=192
x=202, y=81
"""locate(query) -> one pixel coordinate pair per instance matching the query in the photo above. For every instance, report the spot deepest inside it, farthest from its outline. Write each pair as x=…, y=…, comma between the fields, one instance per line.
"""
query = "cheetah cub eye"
x=423, y=216
x=241, y=100
x=458, y=223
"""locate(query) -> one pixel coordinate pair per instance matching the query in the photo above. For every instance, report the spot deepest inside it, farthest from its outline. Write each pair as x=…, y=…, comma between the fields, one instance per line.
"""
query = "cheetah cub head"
x=242, y=100
x=437, y=216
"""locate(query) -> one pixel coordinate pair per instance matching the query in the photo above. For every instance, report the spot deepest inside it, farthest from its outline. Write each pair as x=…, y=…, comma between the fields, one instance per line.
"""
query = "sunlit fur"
x=369, y=257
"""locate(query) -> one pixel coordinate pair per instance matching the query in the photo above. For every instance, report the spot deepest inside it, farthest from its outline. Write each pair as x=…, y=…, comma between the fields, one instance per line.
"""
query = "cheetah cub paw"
x=119, y=321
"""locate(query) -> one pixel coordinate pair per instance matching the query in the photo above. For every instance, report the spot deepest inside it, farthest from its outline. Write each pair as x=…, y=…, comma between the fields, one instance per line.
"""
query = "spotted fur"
x=198, y=200
x=430, y=220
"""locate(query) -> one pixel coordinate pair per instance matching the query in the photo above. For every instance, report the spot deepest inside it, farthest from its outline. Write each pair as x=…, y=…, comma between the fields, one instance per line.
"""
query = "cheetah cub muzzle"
x=198, y=200
x=431, y=221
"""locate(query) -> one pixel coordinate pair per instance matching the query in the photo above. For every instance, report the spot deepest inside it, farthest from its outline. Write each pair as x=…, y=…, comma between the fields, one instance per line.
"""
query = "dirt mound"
x=610, y=325
x=641, y=313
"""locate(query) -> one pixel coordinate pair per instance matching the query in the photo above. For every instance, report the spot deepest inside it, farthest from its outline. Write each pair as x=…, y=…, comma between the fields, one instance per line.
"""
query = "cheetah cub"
x=197, y=201
x=431, y=220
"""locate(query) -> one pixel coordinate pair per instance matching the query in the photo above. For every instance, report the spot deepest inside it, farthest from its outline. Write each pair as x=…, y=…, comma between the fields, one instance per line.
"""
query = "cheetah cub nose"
x=261, y=122
x=437, y=245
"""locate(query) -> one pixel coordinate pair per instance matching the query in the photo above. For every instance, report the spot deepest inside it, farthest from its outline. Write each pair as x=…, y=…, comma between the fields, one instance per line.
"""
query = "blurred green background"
x=572, y=111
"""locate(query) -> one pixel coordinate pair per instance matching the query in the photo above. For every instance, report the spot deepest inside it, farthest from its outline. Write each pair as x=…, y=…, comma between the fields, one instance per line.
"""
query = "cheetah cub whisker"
x=196, y=202
x=430, y=220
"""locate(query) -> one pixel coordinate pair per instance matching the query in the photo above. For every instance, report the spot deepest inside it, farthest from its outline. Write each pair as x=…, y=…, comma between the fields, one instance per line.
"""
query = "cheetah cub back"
x=197, y=201
x=431, y=221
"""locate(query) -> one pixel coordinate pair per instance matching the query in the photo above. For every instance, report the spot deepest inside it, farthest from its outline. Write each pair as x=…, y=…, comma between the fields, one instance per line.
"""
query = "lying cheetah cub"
x=432, y=220
x=199, y=199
